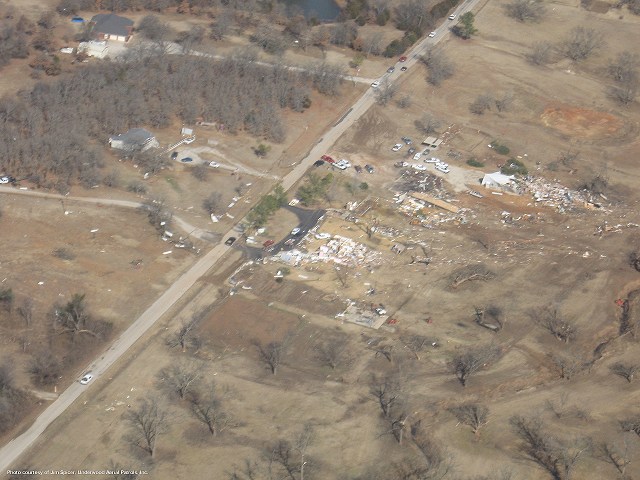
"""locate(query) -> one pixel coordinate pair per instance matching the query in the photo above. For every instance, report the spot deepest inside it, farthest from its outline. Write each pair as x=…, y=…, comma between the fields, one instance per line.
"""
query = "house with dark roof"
x=134, y=140
x=109, y=26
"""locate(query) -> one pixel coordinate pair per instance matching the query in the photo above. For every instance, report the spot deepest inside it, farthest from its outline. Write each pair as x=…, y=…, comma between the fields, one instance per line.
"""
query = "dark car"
x=391, y=69
x=404, y=69
x=174, y=155
x=406, y=140
x=318, y=163
x=402, y=59
x=411, y=151
x=187, y=160
x=268, y=243
x=358, y=169
x=230, y=241
x=369, y=168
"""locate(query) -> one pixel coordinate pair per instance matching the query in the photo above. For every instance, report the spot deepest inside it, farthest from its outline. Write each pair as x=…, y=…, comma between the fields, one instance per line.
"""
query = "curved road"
x=10, y=452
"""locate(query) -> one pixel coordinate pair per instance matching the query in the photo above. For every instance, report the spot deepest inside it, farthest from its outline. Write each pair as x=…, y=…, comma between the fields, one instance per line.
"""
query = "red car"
x=268, y=243
x=403, y=59
x=328, y=159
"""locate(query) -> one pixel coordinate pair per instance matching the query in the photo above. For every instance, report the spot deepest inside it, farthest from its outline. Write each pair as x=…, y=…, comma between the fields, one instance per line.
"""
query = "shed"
x=497, y=180
x=432, y=142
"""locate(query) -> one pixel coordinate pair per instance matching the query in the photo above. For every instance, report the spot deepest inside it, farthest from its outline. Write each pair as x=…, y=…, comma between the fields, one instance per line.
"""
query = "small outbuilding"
x=432, y=142
x=94, y=49
x=498, y=180
x=109, y=26
x=134, y=140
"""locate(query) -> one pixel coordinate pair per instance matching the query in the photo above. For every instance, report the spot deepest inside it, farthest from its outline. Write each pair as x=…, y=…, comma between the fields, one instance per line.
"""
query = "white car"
x=375, y=84
x=442, y=168
x=432, y=34
x=323, y=236
x=417, y=156
x=419, y=167
x=396, y=147
x=295, y=231
x=4, y=179
x=340, y=165
x=432, y=160
x=381, y=311
x=344, y=162
x=189, y=140
x=214, y=164
x=452, y=16
x=86, y=379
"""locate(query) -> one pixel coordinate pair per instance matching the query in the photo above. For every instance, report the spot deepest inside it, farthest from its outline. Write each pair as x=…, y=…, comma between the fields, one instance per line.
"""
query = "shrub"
x=473, y=162
x=500, y=149
x=514, y=167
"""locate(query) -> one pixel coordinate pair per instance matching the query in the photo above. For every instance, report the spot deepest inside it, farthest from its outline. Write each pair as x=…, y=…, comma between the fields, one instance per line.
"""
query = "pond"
x=323, y=10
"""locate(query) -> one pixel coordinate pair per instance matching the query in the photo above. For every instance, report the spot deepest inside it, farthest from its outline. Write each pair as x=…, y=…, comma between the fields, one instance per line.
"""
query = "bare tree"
x=470, y=359
x=618, y=454
x=120, y=472
x=634, y=259
x=212, y=202
x=200, y=172
x=581, y=43
x=45, y=368
x=490, y=317
x=505, y=102
x=540, y=53
x=25, y=311
x=417, y=343
x=481, y=104
x=624, y=66
x=625, y=370
x=439, y=66
x=625, y=92
x=388, y=391
x=182, y=376
x=301, y=444
x=556, y=456
x=427, y=123
x=158, y=213
x=550, y=319
x=6, y=299
x=73, y=318
x=206, y=407
x=475, y=415
x=154, y=29
x=404, y=101
x=385, y=92
x=271, y=354
x=526, y=10
x=631, y=424
x=433, y=463
x=146, y=423
x=332, y=352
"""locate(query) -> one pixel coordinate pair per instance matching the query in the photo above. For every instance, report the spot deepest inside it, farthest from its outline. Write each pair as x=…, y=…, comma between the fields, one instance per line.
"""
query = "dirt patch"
x=239, y=321
x=581, y=122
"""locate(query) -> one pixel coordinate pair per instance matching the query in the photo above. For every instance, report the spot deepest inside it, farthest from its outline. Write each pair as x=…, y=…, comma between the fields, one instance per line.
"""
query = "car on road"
x=86, y=378
x=376, y=84
x=230, y=241
x=268, y=243
x=419, y=167
x=296, y=231
x=417, y=156
x=289, y=242
x=391, y=69
x=402, y=59
x=328, y=159
x=318, y=163
x=403, y=69
x=396, y=147
x=369, y=168
x=432, y=34
x=187, y=160
x=214, y=164
x=452, y=16
x=406, y=140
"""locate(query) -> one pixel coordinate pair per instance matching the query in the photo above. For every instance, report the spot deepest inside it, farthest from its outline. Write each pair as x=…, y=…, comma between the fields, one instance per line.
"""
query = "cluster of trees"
x=314, y=188
x=52, y=134
x=267, y=206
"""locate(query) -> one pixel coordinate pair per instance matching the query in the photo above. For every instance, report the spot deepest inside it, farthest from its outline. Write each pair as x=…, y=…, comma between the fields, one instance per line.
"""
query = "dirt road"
x=10, y=452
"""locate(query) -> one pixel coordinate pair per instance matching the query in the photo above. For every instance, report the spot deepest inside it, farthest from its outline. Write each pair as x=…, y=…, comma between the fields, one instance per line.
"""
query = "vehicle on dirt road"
x=230, y=241
x=187, y=160
x=86, y=378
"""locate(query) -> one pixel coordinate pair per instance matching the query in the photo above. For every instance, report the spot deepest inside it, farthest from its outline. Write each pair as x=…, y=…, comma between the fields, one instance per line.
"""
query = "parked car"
x=402, y=59
x=323, y=236
x=396, y=147
x=411, y=151
x=296, y=231
x=404, y=69
x=452, y=16
x=268, y=243
x=432, y=160
x=340, y=165
x=189, y=140
x=358, y=168
x=289, y=242
x=86, y=378
x=419, y=167
x=345, y=162
x=214, y=164
x=432, y=34
x=381, y=310
x=417, y=156
x=406, y=140
x=327, y=159
x=187, y=160
x=400, y=164
x=318, y=163
x=5, y=179
x=376, y=84
x=369, y=168
x=230, y=241
x=443, y=168
x=174, y=155
x=391, y=69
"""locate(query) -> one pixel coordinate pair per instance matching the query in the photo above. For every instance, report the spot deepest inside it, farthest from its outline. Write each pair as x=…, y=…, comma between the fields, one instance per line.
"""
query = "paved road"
x=10, y=452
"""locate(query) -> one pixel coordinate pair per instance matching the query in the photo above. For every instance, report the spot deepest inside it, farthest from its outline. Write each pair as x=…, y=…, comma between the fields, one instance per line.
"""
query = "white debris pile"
x=553, y=194
x=345, y=251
